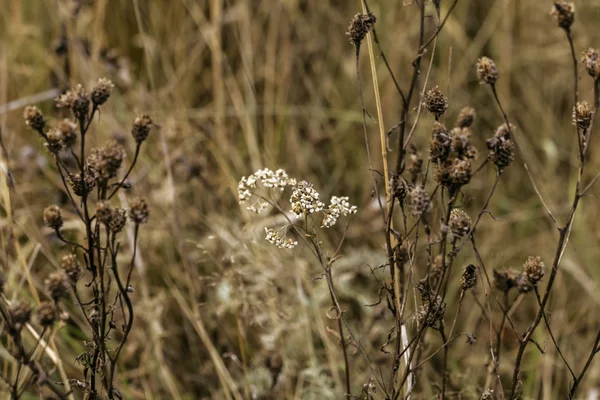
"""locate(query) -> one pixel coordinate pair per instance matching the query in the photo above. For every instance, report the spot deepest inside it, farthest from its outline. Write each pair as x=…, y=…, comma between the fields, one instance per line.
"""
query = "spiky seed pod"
x=487, y=72
x=71, y=267
x=468, y=279
x=53, y=217
x=534, y=269
x=459, y=173
x=54, y=142
x=501, y=147
x=440, y=143
x=56, y=285
x=34, y=118
x=359, y=27
x=419, y=200
x=460, y=223
x=20, y=314
x=141, y=128
x=104, y=212
x=139, y=211
x=68, y=129
x=435, y=102
x=81, y=188
x=106, y=161
x=564, y=13
x=591, y=60
x=582, y=115
x=46, y=314
x=466, y=117
x=118, y=220
x=101, y=91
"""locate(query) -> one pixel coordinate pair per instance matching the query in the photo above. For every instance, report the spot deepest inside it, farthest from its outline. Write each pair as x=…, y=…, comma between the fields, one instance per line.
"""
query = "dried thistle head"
x=440, y=143
x=459, y=223
x=80, y=186
x=139, y=212
x=419, y=200
x=468, y=279
x=53, y=217
x=487, y=72
x=46, y=314
x=104, y=212
x=501, y=147
x=564, y=13
x=359, y=27
x=534, y=269
x=80, y=103
x=591, y=61
x=56, y=285
x=107, y=160
x=466, y=117
x=435, y=102
x=54, y=141
x=71, y=267
x=582, y=115
x=101, y=91
x=34, y=118
x=399, y=187
x=117, y=220
x=20, y=314
x=459, y=173
x=68, y=130
x=141, y=128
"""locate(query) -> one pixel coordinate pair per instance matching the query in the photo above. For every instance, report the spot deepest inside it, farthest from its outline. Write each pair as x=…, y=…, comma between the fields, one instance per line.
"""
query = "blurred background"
x=238, y=85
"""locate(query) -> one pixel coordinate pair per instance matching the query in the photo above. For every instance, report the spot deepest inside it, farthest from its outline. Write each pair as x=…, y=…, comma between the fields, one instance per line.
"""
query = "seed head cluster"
x=564, y=14
x=501, y=147
x=359, y=27
x=435, y=102
x=534, y=269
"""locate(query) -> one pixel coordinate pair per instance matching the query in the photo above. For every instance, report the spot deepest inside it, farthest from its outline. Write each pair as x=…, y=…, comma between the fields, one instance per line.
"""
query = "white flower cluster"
x=273, y=237
x=339, y=206
x=305, y=200
x=267, y=178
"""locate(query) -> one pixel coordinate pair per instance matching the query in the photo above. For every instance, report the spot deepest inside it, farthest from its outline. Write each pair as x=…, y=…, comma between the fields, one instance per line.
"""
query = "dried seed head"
x=501, y=147
x=466, y=117
x=68, y=129
x=430, y=314
x=435, y=102
x=440, y=143
x=459, y=173
x=54, y=142
x=71, y=267
x=534, y=269
x=34, y=118
x=468, y=279
x=487, y=72
x=101, y=91
x=118, y=220
x=461, y=144
x=460, y=223
x=141, y=128
x=399, y=187
x=564, y=13
x=107, y=160
x=81, y=188
x=582, y=115
x=419, y=200
x=591, y=60
x=20, y=314
x=104, y=212
x=53, y=217
x=139, y=211
x=80, y=103
x=359, y=27
x=46, y=314
x=56, y=285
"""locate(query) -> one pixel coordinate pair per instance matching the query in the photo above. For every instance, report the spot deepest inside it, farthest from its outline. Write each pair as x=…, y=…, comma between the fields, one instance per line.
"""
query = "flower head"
x=339, y=206
x=305, y=199
x=273, y=237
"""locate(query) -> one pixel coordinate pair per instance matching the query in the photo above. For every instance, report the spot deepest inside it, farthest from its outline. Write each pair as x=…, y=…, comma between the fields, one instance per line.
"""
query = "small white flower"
x=305, y=200
x=339, y=206
x=269, y=179
x=273, y=237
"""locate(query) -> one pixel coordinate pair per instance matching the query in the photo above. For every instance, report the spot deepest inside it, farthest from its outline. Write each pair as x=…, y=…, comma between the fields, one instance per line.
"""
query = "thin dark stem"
x=122, y=181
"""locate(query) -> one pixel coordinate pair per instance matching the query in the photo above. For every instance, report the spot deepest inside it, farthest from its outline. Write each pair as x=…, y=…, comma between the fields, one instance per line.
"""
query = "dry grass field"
x=234, y=86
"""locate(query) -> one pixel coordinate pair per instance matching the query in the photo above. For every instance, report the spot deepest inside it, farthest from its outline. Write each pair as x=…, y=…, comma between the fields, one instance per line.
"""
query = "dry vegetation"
x=234, y=86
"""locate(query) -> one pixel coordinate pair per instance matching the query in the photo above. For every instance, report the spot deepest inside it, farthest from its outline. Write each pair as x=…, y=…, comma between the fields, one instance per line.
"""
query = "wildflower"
x=101, y=91
x=54, y=141
x=107, y=160
x=53, y=217
x=359, y=27
x=117, y=220
x=500, y=147
x=339, y=206
x=68, y=130
x=487, y=72
x=273, y=237
x=435, y=102
x=270, y=179
x=141, y=128
x=104, y=212
x=305, y=199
